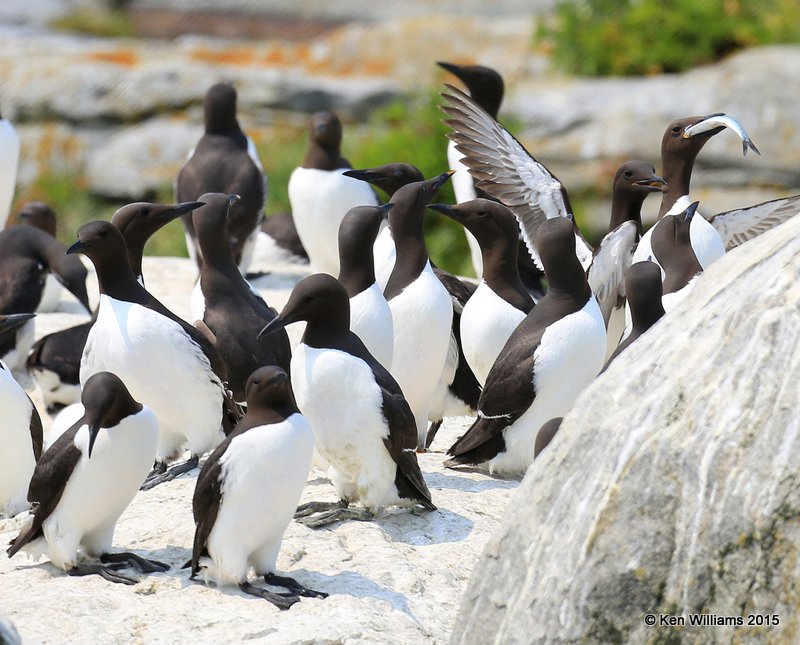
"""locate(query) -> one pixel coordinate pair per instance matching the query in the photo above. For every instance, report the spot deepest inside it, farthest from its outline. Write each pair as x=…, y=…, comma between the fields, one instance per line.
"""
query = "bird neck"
x=356, y=274
x=117, y=280
x=501, y=275
x=678, y=173
x=328, y=332
x=324, y=158
x=626, y=208
x=645, y=317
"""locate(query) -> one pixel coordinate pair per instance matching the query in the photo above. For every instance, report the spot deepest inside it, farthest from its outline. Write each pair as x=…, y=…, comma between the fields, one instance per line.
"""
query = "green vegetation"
x=107, y=23
x=633, y=37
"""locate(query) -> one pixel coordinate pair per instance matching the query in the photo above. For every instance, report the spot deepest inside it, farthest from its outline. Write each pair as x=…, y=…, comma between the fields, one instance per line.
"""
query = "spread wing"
x=606, y=274
x=503, y=168
x=738, y=226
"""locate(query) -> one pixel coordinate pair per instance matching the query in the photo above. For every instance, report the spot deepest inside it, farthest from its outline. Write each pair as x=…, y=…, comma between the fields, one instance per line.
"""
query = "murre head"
x=326, y=130
x=488, y=220
x=39, y=215
x=139, y=221
x=104, y=245
x=106, y=402
x=268, y=387
x=319, y=299
x=388, y=177
x=210, y=219
x=413, y=198
x=555, y=242
x=9, y=323
x=485, y=85
x=633, y=182
x=219, y=107
x=357, y=233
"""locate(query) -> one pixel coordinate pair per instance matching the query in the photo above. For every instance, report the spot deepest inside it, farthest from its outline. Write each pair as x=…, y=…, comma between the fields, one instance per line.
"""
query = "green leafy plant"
x=104, y=23
x=634, y=37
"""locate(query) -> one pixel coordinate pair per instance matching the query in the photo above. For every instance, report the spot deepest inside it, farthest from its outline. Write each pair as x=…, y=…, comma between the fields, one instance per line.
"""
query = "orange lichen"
x=115, y=57
x=227, y=56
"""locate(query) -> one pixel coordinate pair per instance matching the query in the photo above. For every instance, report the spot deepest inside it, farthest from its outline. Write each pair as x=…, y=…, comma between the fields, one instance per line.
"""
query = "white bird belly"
x=16, y=457
x=570, y=355
x=320, y=199
x=371, y=321
x=384, y=254
x=162, y=368
x=422, y=316
x=486, y=324
x=338, y=395
x=263, y=473
x=101, y=487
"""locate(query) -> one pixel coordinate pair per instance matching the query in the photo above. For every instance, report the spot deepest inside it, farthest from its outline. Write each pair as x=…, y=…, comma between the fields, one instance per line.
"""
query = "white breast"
x=101, y=487
x=570, y=355
x=163, y=368
x=338, y=395
x=264, y=471
x=384, y=253
x=16, y=357
x=371, y=321
x=51, y=296
x=320, y=199
x=486, y=323
x=422, y=316
x=464, y=189
x=9, y=159
x=16, y=456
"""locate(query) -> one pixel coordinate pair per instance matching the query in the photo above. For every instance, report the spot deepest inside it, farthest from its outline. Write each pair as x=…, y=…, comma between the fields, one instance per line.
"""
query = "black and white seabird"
x=389, y=178
x=643, y=291
x=248, y=490
x=225, y=161
x=422, y=310
x=321, y=194
x=41, y=216
x=548, y=360
x=165, y=362
x=279, y=236
x=86, y=479
x=233, y=312
x=27, y=255
x=458, y=389
x=501, y=301
x=369, y=439
x=370, y=316
x=9, y=160
x=486, y=87
x=54, y=360
x=21, y=432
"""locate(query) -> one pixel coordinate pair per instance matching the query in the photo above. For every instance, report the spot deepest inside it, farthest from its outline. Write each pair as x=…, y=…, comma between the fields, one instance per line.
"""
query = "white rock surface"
x=397, y=579
x=671, y=487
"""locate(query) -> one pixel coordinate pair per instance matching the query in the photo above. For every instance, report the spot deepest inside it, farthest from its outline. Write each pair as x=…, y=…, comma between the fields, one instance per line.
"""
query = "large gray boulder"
x=673, y=486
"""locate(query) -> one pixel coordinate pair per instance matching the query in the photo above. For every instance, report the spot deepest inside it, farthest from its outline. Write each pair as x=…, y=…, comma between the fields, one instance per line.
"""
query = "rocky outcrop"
x=672, y=487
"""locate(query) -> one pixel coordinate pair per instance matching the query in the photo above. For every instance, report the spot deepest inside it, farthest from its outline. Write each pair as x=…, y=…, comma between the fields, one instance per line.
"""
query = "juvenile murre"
x=321, y=194
x=260, y=468
x=165, y=362
x=86, y=479
x=369, y=439
x=225, y=161
x=549, y=358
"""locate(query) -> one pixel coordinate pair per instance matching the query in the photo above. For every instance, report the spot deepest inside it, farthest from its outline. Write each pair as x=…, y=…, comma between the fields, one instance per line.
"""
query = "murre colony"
x=390, y=343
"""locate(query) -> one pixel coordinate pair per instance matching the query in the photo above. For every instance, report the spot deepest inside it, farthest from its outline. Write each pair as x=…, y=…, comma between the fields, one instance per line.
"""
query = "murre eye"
x=676, y=129
x=103, y=232
x=628, y=174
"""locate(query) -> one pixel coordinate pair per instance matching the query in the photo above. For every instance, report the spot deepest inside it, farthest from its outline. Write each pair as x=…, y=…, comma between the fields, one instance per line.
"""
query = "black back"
x=672, y=247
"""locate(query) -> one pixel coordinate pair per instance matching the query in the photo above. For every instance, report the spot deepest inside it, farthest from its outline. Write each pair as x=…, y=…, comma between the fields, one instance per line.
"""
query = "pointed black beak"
x=654, y=183
x=363, y=175
x=12, y=322
x=448, y=210
x=233, y=198
x=178, y=210
x=276, y=324
x=77, y=247
x=442, y=179
x=93, y=431
x=450, y=67
x=689, y=213
x=383, y=211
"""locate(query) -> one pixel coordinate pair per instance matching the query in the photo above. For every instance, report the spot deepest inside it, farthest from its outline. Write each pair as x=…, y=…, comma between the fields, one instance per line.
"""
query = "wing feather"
x=738, y=226
x=606, y=273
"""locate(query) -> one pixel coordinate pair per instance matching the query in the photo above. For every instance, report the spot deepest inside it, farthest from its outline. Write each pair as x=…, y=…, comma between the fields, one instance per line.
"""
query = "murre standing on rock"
x=248, y=490
x=20, y=430
x=370, y=316
x=233, y=313
x=86, y=479
x=55, y=359
x=9, y=160
x=225, y=161
x=422, y=311
x=362, y=424
x=165, y=362
x=501, y=301
x=27, y=255
x=321, y=194
x=551, y=356
x=643, y=291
